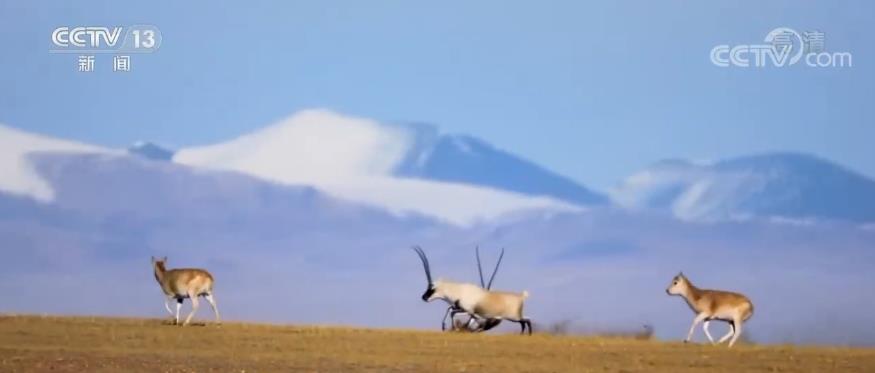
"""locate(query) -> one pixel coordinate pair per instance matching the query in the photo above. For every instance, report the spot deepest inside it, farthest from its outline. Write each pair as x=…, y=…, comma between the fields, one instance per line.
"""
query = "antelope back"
x=186, y=280
x=717, y=301
x=465, y=294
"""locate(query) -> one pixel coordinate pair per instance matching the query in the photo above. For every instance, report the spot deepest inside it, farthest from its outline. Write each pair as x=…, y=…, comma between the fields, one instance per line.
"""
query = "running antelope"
x=182, y=283
x=708, y=305
x=475, y=300
x=452, y=310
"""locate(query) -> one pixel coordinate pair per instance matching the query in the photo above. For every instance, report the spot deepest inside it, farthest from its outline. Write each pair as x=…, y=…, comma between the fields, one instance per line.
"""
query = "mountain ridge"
x=373, y=162
x=784, y=185
x=393, y=166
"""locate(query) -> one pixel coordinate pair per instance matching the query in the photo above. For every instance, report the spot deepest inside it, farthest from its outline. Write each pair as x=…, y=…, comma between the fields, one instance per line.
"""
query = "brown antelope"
x=475, y=300
x=708, y=305
x=182, y=283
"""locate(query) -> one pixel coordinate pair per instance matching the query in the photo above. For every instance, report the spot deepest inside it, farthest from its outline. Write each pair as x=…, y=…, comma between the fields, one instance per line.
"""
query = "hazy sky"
x=594, y=91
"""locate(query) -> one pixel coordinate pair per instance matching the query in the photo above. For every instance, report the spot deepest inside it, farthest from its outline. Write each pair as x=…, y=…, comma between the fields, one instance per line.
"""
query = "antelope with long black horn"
x=475, y=300
x=181, y=283
x=452, y=310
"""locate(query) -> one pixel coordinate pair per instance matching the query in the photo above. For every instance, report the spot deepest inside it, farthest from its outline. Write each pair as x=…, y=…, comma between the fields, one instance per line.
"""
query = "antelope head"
x=159, y=264
x=429, y=294
x=679, y=285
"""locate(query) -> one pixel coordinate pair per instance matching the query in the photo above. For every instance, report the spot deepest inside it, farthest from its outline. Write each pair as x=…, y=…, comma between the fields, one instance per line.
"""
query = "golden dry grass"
x=82, y=344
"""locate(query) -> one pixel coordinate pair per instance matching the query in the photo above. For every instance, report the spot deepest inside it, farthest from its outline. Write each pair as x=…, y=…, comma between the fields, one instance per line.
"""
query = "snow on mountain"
x=16, y=149
x=465, y=159
x=358, y=159
x=110, y=213
x=787, y=187
x=311, y=146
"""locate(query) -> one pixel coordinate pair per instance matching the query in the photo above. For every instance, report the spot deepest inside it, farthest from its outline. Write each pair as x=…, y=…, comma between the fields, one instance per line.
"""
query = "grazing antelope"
x=475, y=300
x=452, y=310
x=710, y=305
x=184, y=283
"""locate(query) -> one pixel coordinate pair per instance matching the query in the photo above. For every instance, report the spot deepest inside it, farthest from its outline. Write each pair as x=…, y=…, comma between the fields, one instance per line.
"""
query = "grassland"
x=80, y=344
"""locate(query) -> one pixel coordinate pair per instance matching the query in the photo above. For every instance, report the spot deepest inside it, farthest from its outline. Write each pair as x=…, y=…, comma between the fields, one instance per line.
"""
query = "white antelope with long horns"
x=475, y=300
x=733, y=308
x=452, y=310
x=181, y=283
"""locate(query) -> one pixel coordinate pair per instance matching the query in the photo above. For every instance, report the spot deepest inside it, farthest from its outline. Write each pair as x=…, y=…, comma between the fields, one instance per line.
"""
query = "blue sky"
x=594, y=91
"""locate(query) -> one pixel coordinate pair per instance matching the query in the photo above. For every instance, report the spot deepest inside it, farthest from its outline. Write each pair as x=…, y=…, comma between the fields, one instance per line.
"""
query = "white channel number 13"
x=144, y=39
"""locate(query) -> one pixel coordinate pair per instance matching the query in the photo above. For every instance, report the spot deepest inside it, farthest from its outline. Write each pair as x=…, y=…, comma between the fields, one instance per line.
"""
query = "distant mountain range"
x=790, y=186
x=414, y=169
x=317, y=213
x=400, y=168
x=465, y=159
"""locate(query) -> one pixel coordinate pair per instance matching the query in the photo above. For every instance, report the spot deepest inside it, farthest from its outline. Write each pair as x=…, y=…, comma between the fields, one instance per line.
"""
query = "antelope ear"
x=164, y=259
x=153, y=258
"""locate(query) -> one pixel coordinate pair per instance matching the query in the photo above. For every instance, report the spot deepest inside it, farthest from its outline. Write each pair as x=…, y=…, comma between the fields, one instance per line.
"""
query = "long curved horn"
x=479, y=267
x=494, y=271
x=424, y=260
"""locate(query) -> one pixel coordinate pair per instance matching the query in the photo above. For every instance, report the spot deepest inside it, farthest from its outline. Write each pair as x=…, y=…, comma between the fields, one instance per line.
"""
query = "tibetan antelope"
x=452, y=310
x=181, y=283
x=475, y=300
x=710, y=305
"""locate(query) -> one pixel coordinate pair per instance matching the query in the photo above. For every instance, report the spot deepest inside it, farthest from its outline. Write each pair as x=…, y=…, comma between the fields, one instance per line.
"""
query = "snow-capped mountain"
x=791, y=186
x=401, y=168
x=404, y=169
x=413, y=169
x=16, y=149
x=254, y=212
x=465, y=159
